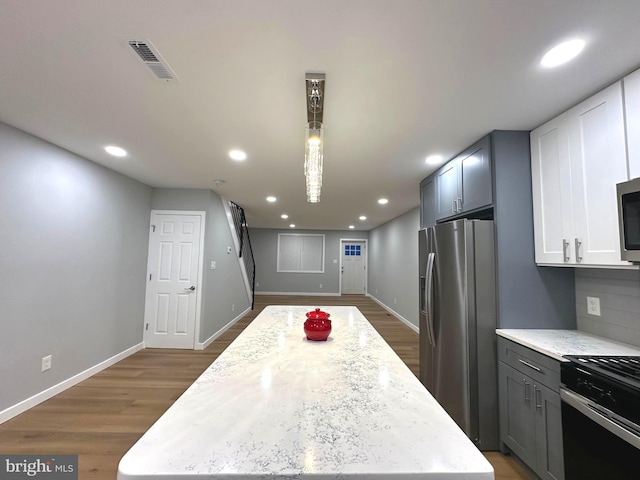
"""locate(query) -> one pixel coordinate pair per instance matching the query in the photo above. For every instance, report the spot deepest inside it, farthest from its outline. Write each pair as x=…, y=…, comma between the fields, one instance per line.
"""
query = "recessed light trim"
x=115, y=151
x=284, y=216
x=362, y=217
x=237, y=155
x=562, y=53
x=352, y=227
x=293, y=225
x=383, y=201
x=271, y=199
x=433, y=160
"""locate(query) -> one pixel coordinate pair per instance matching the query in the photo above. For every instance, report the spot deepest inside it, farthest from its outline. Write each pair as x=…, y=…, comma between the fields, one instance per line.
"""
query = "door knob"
x=192, y=288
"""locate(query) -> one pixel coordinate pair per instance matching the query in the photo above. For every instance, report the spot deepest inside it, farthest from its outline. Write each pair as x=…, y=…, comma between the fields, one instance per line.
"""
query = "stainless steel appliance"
x=629, y=219
x=600, y=417
x=457, y=324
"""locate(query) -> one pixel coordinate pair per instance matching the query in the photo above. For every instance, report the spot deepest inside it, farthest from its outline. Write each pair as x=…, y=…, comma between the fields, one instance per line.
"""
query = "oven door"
x=598, y=444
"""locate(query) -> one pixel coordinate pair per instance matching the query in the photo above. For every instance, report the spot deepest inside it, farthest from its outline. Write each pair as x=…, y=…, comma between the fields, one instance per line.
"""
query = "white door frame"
x=366, y=262
x=202, y=215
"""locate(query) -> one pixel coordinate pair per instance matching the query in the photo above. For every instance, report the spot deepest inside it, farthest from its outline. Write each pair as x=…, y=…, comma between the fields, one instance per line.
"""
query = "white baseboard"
x=38, y=398
x=311, y=294
x=209, y=341
x=395, y=314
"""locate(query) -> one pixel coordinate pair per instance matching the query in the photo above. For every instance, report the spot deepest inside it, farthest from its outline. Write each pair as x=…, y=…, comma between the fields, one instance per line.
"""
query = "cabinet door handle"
x=454, y=206
x=459, y=203
x=537, y=369
x=537, y=391
x=578, y=245
x=565, y=249
x=526, y=388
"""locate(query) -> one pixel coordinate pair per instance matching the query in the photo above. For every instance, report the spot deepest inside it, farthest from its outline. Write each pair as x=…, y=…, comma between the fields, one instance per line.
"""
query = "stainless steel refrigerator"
x=457, y=324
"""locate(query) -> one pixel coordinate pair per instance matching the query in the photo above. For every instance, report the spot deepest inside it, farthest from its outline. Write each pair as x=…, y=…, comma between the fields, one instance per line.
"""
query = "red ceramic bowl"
x=317, y=326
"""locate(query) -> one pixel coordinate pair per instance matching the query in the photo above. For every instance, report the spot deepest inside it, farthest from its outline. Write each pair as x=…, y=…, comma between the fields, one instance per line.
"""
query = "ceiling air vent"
x=152, y=59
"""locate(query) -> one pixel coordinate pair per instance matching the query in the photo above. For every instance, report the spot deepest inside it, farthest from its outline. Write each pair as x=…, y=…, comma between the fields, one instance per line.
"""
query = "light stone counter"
x=556, y=343
x=276, y=406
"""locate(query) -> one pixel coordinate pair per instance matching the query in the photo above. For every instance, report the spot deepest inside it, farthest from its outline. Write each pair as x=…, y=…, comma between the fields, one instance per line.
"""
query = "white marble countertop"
x=556, y=343
x=276, y=406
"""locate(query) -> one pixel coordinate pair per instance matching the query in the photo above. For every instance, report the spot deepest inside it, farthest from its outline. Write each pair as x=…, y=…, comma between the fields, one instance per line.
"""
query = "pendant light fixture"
x=314, y=146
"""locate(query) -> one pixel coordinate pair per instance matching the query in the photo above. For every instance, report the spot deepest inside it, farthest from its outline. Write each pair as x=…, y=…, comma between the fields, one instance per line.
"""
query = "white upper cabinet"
x=577, y=159
x=632, y=108
x=551, y=187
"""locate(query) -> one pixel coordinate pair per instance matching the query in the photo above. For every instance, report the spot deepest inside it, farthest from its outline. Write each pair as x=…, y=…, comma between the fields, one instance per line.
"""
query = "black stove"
x=610, y=381
x=600, y=417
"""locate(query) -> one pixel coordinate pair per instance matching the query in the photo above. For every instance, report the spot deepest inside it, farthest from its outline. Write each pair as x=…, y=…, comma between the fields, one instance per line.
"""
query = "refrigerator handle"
x=428, y=299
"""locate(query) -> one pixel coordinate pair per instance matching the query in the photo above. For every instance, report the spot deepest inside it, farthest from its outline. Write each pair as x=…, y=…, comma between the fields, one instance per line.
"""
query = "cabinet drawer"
x=539, y=367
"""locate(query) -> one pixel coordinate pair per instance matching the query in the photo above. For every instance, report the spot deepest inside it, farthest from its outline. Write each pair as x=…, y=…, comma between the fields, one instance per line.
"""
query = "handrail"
x=245, y=251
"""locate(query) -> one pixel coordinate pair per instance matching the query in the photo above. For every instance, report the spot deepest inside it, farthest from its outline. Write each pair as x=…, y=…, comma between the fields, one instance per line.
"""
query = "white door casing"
x=174, y=276
x=353, y=266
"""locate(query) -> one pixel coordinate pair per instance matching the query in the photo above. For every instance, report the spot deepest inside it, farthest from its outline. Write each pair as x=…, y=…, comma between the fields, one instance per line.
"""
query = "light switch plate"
x=593, y=306
x=46, y=363
x=213, y=264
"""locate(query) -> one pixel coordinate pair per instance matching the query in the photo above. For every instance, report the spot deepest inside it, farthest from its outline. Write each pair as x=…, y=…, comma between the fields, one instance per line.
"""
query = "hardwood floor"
x=102, y=417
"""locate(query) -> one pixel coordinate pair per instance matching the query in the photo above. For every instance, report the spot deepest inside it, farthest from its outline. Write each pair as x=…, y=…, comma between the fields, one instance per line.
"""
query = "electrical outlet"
x=257, y=284
x=320, y=285
x=395, y=301
x=213, y=264
x=46, y=363
x=233, y=307
x=593, y=306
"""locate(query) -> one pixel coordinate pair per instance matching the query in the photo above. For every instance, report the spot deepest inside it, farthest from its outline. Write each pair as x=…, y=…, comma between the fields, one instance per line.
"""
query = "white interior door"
x=354, y=267
x=174, y=266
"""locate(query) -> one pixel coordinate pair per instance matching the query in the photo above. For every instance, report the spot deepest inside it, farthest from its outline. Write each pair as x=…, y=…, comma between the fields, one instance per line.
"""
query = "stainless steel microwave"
x=629, y=219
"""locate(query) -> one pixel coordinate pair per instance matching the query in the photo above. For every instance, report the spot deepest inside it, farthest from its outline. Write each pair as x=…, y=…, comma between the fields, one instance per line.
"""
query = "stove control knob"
x=584, y=384
x=607, y=399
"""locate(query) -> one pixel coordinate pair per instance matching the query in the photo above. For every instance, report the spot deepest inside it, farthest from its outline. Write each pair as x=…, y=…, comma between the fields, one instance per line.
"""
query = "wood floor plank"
x=102, y=417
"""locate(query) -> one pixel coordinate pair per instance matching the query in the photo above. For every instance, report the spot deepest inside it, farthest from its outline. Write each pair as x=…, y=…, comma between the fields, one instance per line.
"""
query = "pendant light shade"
x=314, y=136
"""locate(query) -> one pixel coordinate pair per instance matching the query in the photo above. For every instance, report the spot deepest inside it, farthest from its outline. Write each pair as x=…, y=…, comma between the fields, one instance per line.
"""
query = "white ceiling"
x=404, y=79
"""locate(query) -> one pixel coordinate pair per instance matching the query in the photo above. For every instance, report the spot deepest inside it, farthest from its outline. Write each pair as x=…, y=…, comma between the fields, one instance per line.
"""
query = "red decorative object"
x=317, y=326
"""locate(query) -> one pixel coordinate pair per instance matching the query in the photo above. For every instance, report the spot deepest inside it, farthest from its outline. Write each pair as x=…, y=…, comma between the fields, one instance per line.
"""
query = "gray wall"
x=224, y=294
x=529, y=296
x=393, y=264
x=619, y=293
x=72, y=264
x=264, y=242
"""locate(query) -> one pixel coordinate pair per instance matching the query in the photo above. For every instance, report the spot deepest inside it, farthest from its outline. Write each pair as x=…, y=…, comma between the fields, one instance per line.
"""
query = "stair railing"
x=245, y=251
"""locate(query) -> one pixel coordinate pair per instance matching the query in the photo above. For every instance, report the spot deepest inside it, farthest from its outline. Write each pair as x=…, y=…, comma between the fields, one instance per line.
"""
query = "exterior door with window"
x=353, y=267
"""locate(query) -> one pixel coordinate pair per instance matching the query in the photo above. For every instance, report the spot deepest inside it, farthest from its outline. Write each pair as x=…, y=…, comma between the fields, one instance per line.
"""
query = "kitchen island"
x=277, y=406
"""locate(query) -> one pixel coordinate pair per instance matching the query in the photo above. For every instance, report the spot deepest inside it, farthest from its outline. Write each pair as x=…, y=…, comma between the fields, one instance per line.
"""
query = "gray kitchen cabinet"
x=530, y=421
x=427, y=202
x=528, y=295
x=463, y=184
x=517, y=423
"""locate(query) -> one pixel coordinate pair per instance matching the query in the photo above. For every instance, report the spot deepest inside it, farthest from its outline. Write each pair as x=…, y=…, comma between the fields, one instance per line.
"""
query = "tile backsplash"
x=619, y=294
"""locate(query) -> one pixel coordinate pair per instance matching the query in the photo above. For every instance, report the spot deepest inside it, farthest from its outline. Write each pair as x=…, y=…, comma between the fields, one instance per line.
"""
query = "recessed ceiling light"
x=271, y=199
x=383, y=201
x=284, y=215
x=352, y=227
x=238, y=155
x=362, y=217
x=116, y=151
x=433, y=159
x=562, y=53
x=293, y=225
